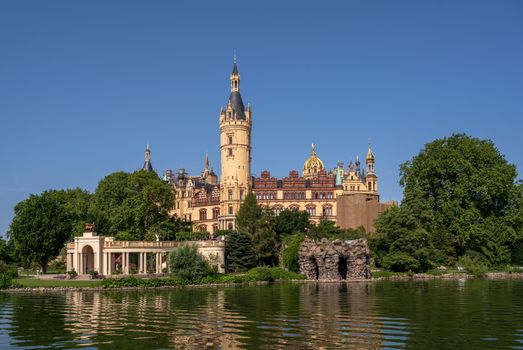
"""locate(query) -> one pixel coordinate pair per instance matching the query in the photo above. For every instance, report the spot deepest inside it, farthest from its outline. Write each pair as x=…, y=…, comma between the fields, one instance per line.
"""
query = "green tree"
x=41, y=226
x=239, y=252
x=292, y=221
x=186, y=263
x=248, y=218
x=325, y=228
x=265, y=240
x=260, y=223
x=133, y=203
x=459, y=194
x=291, y=253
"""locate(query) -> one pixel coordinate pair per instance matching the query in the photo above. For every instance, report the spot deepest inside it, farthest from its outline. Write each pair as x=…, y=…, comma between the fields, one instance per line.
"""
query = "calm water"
x=474, y=314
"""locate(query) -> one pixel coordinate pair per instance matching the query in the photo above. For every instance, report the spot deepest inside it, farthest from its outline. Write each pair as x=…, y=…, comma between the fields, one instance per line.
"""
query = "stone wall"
x=359, y=209
x=335, y=260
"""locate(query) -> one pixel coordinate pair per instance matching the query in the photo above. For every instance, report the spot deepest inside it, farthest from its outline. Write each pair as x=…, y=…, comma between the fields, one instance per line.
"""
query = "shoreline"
x=414, y=277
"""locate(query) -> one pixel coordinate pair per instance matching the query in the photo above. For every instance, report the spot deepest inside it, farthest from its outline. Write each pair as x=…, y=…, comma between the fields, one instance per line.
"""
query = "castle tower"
x=371, y=179
x=235, y=153
x=147, y=166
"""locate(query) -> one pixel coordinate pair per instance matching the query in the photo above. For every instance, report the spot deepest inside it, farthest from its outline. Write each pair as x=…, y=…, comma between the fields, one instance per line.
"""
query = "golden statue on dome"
x=313, y=165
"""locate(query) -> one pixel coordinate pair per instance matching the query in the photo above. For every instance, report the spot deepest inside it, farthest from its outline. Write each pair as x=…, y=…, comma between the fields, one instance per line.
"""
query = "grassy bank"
x=258, y=274
x=41, y=283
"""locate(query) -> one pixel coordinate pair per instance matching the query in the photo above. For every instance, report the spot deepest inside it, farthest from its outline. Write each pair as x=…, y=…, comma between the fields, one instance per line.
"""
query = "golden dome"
x=312, y=165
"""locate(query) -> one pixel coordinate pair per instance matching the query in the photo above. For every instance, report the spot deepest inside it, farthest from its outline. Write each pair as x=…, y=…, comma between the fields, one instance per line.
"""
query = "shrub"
x=517, y=254
x=291, y=253
x=5, y=281
x=72, y=274
x=400, y=262
x=192, y=236
x=186, y=263
x=239, y=252
x=57, y=266
x=474, y=266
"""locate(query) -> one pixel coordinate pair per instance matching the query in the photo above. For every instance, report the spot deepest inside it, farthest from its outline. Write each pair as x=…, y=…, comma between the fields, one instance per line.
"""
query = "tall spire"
x=235, y=105
x=235, y=67
x=206, y=161
x=147, y=166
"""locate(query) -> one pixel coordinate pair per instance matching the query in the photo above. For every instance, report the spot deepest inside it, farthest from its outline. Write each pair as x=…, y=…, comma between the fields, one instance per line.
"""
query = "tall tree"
x=132, y=204
x=265, y=240
x=460, y=195
x=249, y=216
x=41, y=226
x=239, y=252
x=292, y=221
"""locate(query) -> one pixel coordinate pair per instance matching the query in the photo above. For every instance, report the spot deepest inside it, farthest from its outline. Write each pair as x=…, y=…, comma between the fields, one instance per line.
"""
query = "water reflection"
x=445, y=314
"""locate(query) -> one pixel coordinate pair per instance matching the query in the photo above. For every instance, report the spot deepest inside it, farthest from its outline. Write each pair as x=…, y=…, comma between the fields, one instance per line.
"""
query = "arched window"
x=203, y=214
x=203, y=228
x=215, y=213
x=311, y=210
x=327, y=210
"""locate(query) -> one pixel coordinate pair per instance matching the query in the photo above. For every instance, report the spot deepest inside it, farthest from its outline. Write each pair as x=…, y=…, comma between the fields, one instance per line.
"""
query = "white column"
x=109, y=264
x=125, y=263
x=104, y=264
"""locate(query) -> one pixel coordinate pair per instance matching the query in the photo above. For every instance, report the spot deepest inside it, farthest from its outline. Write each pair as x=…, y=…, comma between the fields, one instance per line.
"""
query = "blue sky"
x=85, y=85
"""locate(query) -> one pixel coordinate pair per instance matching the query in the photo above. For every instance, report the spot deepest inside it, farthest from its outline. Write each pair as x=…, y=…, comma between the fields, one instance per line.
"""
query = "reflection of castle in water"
x=308, y=315
x=183, y=318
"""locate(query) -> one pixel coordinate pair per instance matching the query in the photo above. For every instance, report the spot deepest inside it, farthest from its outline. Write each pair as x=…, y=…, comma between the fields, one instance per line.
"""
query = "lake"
x=444, y=314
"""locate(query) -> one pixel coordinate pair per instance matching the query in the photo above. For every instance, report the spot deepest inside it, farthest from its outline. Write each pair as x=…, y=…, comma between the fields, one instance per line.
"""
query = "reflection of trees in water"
x=36, y=319
x=456, y=314
x=302, y=315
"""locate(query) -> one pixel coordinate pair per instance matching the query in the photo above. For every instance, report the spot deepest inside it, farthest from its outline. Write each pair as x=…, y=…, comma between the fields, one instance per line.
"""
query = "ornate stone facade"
x=108, y=257
x=336, y=260
x=347, y=195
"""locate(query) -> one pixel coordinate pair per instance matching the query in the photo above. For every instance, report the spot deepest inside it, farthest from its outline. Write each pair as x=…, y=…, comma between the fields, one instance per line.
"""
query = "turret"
x=147, y=166
x=371, y=178
x=235, y=153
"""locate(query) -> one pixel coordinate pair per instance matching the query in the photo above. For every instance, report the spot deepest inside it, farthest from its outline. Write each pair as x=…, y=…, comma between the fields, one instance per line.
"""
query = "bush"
x=239, y=252
x=186, y=263
x=291, y=253
x=400, y=262
x=135, y=282
x=192, y=236
x=5, y=281
x=517, y=254
x=72, y=274
x=57, y=266
x=474, y=266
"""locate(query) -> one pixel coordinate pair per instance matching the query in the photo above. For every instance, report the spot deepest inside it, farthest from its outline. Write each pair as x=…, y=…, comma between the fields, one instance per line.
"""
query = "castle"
x=348, y=196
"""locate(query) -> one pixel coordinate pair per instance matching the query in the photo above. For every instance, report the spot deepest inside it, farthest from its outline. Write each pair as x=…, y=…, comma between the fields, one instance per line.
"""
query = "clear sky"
x=85, y=85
